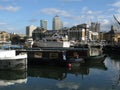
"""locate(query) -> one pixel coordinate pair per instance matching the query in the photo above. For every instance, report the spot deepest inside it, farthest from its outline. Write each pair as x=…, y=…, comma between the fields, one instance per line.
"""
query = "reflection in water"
x=102, y=76
x=12, y=77
x=60, y=73
x=50, y=72
x=115, y=63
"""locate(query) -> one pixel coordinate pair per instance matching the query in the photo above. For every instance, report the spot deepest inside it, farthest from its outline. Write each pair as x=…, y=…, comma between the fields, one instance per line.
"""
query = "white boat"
x=55, y=41
x=10, y=61
x=53, y=44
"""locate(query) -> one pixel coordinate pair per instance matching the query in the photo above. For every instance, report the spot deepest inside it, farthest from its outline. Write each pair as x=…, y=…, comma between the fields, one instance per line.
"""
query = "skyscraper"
x=95, y=27
x=57, y=23
x=43, y=24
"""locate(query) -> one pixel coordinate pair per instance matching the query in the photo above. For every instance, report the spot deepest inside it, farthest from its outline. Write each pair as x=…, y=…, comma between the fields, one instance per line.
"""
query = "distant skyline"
x=15, y=15
x=57, y=23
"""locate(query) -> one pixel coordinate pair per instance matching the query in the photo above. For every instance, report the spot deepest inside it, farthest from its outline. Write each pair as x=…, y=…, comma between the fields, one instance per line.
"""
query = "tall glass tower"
x=43, y=24
x=57, y=23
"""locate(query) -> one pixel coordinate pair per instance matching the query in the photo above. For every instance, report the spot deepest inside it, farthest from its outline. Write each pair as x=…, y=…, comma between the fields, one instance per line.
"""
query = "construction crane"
x=116, y=19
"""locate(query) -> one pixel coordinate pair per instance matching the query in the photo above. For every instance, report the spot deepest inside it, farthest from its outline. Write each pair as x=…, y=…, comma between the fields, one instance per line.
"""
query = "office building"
x=4, y=36
x=57, y=23
x=43, y=24
x=95, y=27
x=29, y=30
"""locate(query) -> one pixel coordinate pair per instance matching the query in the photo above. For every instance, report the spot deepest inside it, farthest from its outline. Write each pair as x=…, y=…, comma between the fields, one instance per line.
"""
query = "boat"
x=9, y=60
x=100, y=66
x=55, y=41
x=42, y=43
x=95, y=59
x=95, y=56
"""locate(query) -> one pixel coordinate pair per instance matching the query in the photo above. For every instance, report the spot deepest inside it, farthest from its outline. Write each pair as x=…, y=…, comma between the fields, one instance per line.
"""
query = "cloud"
x=66, y=24
x=104, y=17
x=85, y=16
x=33, y=20
x=2, y=23
x=53, y=11
x=116, y=4
x=106, y=22
x=9, y=8
x=63, y=13
x=86, y=11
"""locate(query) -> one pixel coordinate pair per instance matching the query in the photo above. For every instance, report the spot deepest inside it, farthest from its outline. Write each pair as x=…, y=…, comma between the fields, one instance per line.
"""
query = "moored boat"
x=95, y=59
x=10, y=61
x=54, y=41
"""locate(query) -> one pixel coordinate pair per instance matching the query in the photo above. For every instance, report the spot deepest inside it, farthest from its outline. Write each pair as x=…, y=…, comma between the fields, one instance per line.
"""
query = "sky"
x=15, y=15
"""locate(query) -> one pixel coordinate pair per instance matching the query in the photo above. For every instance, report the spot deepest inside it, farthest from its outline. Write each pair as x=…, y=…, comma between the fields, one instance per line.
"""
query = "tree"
x=15, y=39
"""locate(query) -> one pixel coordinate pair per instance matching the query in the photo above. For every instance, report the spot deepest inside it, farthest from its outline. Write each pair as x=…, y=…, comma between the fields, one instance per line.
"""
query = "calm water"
x=104, y=76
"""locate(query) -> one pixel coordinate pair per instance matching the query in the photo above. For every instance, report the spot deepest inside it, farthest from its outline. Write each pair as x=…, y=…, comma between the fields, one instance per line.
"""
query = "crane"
x=116, y=19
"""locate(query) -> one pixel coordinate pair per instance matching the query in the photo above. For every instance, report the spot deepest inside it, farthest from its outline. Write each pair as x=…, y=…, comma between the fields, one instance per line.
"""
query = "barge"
x=9, y=60
x=55, y=56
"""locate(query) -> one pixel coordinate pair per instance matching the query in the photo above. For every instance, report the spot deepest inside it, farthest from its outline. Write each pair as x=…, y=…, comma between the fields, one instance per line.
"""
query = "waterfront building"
x=40, y=33
x=43, y=24
x=92, y=27
x=29, y=30
x=95, y=27
x=94, y=36
x=102, y=36
x=94, y=31
x=113, y=36
x=57, y=23
x=79, y=33
x=4, y=37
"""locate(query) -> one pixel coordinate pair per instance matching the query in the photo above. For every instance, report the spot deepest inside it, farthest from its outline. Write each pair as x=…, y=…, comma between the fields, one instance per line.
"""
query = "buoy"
x=69, y=65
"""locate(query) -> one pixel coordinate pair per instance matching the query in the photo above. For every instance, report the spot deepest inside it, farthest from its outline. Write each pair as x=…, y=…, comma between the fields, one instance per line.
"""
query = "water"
x=104, y=76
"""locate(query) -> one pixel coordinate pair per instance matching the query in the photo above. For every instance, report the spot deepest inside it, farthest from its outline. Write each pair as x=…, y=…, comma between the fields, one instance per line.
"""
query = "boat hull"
x=14, y=63
x=18, y=64
x=95, y=59
x=9, y=60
